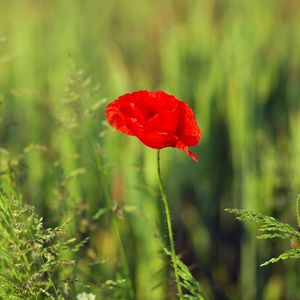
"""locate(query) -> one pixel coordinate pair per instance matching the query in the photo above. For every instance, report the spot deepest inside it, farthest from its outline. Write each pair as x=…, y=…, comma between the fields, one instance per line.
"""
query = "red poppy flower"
x=157, y=119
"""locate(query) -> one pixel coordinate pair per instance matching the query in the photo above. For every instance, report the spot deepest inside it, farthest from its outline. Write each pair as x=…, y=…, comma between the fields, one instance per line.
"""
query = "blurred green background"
x=237, y=63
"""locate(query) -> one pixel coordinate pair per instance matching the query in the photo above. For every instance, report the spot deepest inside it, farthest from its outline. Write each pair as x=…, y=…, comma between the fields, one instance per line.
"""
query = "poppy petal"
x=156, y=118
x=116, y=119
x=185, y=149
x=188, y=131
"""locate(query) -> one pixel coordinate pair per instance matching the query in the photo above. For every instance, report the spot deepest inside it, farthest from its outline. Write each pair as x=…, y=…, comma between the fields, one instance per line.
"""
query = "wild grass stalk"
x=237, y=62
x=298, y=210
x=109, y=205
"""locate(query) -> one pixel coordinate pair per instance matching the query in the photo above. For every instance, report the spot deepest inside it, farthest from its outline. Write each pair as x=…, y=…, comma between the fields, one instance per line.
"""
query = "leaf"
x=271, y=229
x=269, y=225
x=293, y=253
x=101, y=212
x=194, y=289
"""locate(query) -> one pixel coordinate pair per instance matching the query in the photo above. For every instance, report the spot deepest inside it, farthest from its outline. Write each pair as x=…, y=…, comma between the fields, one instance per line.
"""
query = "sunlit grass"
x=236, y=62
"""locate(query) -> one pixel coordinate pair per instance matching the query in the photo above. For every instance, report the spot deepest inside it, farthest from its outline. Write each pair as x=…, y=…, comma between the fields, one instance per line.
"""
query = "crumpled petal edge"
x=185, y=149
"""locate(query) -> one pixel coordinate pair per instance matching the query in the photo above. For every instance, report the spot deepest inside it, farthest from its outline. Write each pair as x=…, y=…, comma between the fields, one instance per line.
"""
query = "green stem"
x=169, y=224
x=116, y=230
x=298, y=210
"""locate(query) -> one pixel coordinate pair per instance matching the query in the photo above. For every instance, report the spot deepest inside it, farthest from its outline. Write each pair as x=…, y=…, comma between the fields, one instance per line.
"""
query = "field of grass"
x=236, y=62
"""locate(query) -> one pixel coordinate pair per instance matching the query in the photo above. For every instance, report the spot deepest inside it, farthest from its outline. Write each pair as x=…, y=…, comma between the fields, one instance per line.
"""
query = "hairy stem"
x=169, y=224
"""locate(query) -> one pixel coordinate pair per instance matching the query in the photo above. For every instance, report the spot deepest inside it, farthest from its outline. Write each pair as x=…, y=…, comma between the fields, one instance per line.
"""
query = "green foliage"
x=271, y=228
x=13, y=168
x=32, y=257
x=235, y=62
x=115, y=289
x=193, y=289
x=79, y=103
x=85, y=296
x=288, y=254
x=57, y=278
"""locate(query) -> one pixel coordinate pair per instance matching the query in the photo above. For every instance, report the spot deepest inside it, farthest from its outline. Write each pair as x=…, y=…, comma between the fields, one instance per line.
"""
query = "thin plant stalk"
x=108, y=200
x=298, y=211
x=169, y=224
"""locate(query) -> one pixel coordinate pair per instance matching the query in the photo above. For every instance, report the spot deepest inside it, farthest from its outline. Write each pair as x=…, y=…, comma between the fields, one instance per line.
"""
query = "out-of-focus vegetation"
x=236, y=63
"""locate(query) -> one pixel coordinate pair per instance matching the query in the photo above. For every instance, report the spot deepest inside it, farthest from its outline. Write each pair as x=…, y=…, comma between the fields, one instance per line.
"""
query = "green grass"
x=235, y=62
